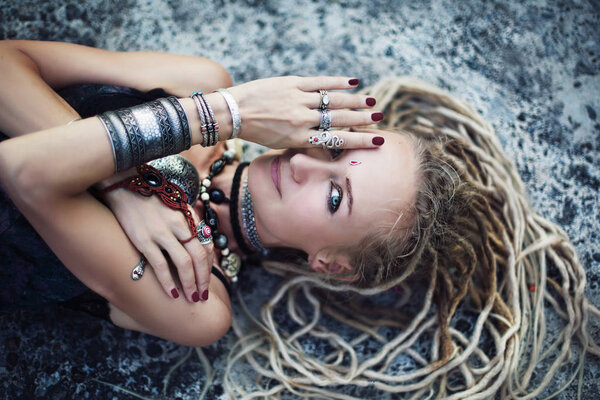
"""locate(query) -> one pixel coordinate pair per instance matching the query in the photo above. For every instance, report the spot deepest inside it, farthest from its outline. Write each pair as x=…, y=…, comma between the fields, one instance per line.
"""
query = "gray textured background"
x=530, y=67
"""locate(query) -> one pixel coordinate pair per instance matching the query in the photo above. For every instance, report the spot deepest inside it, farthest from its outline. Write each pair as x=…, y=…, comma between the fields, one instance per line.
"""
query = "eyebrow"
x=350, y=198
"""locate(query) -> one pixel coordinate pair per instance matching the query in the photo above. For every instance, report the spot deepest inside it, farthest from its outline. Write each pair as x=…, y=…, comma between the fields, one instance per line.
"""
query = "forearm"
x=67, y=160
x=31, y=72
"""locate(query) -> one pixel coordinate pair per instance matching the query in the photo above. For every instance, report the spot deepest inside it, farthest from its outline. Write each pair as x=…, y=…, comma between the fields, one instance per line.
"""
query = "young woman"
x=431, y=201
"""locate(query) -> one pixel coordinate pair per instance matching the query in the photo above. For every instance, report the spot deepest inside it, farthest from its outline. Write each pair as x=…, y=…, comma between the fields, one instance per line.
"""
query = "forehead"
x=384, y=184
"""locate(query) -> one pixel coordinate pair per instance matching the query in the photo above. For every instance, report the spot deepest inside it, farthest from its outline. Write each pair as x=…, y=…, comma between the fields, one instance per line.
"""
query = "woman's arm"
x=31, y=72
x=46, y=174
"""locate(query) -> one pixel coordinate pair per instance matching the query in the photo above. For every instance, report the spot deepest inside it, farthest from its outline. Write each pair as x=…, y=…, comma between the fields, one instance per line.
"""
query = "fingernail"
x=378, y=140
x=205, y=295
x=174, y=293
x=196, y=297
x=371, y=102
x=353, y=82
x=377, y=116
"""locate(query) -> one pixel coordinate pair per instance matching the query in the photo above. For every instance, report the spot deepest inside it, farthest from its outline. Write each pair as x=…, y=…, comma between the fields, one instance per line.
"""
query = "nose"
x=304, y=167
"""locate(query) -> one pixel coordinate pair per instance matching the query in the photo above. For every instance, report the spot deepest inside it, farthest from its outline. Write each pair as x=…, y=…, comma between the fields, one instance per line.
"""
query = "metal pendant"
x=231, y=264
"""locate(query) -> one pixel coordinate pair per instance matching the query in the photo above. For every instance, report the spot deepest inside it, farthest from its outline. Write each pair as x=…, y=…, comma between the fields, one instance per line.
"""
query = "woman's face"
x=312, y=200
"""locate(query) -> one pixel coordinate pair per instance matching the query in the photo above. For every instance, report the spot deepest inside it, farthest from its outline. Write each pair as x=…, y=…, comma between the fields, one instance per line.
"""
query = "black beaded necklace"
x=230, y=262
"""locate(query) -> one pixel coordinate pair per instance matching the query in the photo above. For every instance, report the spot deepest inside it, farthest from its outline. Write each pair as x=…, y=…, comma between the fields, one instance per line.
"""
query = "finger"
x=160, y=266
x=339, y=100
x=315, y=83
x=347, y=140
x=340, y=118
x=185, y=267
x=202, y=256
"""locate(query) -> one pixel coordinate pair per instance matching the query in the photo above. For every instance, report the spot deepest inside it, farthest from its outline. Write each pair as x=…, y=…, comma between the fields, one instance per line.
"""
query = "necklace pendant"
x=231, y=264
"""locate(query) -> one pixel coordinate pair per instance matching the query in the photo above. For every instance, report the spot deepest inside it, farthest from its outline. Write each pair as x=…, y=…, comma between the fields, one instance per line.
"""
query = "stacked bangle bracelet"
x=209, y=126
x=160, y=128
x=146, y=132
x=236, y=118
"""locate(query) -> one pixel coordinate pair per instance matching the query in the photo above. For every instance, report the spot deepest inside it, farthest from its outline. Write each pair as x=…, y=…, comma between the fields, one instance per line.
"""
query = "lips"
x=276, y=174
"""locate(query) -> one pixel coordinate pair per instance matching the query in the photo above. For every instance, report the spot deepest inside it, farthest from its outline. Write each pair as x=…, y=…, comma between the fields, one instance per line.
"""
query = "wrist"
x=117, y=177
x=220, y=110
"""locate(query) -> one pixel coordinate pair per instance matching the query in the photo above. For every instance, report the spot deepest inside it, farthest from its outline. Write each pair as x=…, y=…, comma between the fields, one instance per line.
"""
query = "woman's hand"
x=154, y=229
x=284, y=112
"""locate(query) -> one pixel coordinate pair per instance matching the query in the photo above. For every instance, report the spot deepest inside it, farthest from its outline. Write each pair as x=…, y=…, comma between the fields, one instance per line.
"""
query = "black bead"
x=217, y=196
x=152, y=179
x=217, y=166
x=211, y=218
x=228, y=157
x=220, y=240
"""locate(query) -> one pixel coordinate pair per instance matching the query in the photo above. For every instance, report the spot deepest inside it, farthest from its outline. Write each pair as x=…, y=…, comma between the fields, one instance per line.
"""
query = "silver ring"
x=325, y=120
x=326, y=140
x=324, y=104
x=138, y=270
x=204, y=233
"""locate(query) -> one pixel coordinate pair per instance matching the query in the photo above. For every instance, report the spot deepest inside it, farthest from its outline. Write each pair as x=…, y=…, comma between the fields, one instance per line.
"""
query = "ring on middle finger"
x=204, y=232
x=325, y=120
x=324, y=104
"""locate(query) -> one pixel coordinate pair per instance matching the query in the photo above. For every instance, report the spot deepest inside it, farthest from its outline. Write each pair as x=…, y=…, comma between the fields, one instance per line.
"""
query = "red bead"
x=206, y=232
x=532, y=288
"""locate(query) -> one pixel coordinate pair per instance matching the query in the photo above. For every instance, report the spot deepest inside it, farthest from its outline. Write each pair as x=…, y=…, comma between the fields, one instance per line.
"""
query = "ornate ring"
x=204, y=233
x=325, y=120
x=138, y=270
x=324, y=104
x=326, y=140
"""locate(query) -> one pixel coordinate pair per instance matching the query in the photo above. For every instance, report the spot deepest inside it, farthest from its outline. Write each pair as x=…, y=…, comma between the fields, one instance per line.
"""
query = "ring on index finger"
x=326, y=140
x=324, y=104
x=204, y=233
x=325, y=120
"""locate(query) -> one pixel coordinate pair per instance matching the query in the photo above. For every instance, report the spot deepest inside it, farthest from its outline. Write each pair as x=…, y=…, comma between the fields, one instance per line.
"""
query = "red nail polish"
x=205, y=295
x=377, y=116
x=371, y=102
x=378, y=140
x=195, y=297
x=174, y=293
x=353, y=82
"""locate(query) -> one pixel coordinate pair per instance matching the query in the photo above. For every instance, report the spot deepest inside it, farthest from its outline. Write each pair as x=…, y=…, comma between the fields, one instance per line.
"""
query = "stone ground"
x=531, y=67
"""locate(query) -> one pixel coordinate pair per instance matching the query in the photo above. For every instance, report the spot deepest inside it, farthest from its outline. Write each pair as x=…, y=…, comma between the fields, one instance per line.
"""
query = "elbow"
x=20, y=178
x=222, y=76
x=215, y=76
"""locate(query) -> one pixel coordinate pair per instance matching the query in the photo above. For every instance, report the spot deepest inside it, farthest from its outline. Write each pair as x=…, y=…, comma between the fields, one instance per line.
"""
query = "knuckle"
x=186, y=261
x=142, y=243
x=160, y=265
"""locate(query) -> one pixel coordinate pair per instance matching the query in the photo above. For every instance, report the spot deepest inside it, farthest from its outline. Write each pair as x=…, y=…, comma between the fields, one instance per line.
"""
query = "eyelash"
x=330, y=198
